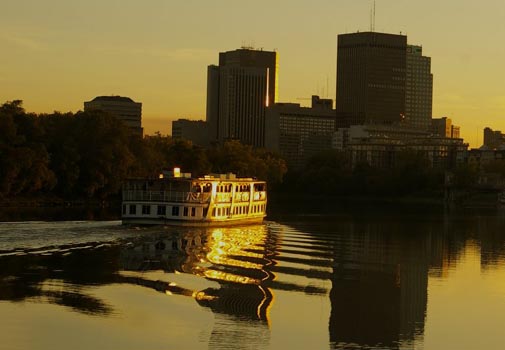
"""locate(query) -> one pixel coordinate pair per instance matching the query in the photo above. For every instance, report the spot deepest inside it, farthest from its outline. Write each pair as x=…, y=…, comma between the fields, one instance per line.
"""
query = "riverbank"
x=49, y=200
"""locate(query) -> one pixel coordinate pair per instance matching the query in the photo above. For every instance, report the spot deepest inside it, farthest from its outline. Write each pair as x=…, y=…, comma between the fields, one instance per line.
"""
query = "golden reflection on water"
x=240, y=249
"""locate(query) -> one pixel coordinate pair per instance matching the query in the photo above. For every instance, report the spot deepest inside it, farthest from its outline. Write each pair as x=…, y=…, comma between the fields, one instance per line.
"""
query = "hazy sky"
x=56, y=54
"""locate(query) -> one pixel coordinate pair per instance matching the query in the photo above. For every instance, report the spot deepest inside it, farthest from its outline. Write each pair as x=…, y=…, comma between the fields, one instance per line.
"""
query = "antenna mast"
x=373, y=17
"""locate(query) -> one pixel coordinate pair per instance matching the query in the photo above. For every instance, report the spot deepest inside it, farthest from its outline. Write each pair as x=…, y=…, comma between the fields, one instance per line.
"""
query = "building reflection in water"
x=379, y=286
x=378, y=268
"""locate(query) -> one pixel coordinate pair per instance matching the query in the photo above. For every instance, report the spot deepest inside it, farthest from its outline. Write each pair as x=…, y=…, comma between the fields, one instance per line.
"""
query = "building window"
x=133, y=209
x=146, y=210
x=185, y=211
x=124, y=209
x=193, y=211
x=175, y=211
x=162, y=210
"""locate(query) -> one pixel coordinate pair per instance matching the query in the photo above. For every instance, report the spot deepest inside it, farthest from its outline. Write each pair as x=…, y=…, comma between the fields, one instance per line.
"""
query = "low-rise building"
x=443, y=127
x=124, y=108
x=195, y=131
x=378, y=145
x=493, y=139
x=442, y=152
x=297, y=133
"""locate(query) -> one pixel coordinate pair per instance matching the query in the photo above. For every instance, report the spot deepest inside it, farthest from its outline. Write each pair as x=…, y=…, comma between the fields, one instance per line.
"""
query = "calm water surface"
x=346, y=280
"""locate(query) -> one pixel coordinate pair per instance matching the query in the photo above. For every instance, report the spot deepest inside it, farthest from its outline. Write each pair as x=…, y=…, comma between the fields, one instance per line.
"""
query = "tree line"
x=90, y=154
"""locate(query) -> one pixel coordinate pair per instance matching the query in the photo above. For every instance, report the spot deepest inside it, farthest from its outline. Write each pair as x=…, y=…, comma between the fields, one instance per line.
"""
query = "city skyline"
x=58, y=54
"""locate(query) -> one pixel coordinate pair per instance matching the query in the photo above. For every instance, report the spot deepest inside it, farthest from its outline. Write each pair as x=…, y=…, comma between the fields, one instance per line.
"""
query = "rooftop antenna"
x=327, y=87
x=372, y=18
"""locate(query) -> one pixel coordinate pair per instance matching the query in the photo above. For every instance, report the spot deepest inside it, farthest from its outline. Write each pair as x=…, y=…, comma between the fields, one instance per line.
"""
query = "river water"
x=347, y=279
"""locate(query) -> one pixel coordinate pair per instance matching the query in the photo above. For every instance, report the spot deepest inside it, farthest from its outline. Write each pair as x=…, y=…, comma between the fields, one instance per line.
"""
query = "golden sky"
x=56, y=54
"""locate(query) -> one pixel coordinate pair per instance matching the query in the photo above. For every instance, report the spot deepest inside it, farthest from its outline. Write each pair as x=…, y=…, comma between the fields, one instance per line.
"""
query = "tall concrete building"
x=419, y=89
x=238, y=91
x=124, y=108
x=371, y=76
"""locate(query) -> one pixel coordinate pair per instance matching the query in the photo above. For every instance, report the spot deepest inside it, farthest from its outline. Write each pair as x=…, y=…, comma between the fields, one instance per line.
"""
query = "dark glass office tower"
x=371, y=76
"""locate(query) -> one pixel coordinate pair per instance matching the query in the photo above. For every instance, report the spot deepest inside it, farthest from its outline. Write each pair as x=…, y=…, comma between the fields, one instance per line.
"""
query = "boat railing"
x=166, y=196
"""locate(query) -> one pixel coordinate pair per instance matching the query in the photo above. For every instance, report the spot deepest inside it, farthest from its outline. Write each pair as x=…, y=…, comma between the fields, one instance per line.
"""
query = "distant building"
x=418, y=89
x=442, y=152
x=443, y=127
x=493, y=139
x=383, y=80
x=343, y=136
x=378, y=145
x=195, y=131
x=298, y=133
x=124, y=108
x=238, y=92
x=455, y=132
x=371, y=76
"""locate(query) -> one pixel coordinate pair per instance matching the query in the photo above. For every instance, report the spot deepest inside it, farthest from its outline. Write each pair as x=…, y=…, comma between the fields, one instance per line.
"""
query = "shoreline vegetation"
x=81, y=159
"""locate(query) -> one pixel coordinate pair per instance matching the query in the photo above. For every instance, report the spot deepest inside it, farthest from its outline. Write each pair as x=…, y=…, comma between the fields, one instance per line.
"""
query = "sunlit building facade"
x=238, y=92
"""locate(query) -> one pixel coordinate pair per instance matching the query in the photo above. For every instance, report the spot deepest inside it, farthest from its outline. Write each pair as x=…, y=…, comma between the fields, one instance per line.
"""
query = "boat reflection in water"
x=236, y=258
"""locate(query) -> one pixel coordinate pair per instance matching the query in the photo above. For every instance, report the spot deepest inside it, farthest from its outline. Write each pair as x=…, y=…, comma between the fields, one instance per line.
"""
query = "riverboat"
x=176, y=198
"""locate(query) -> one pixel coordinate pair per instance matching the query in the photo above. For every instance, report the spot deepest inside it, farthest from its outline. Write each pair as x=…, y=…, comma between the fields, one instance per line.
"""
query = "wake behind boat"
x=176, y=198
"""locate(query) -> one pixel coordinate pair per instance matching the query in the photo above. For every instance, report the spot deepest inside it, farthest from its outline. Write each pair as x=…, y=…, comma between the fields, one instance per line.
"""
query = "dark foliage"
x=90, y=154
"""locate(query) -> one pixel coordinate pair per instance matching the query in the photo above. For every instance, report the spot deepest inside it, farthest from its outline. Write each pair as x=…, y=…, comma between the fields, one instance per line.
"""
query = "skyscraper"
x=371, y=71
x=419, y=89
x=238, y=91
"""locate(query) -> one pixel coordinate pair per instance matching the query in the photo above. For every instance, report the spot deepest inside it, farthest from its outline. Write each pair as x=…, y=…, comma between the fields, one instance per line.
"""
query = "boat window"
x=146, y=210
x=205, y=211
x=133, y=209
x=162, y=210
x=213, y=211
x=193, y=211
x=175, y=211
x=259, y=187
x=185, y=211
